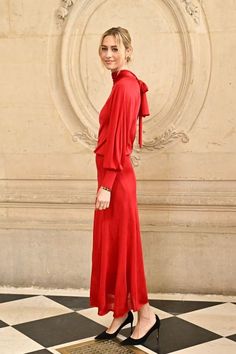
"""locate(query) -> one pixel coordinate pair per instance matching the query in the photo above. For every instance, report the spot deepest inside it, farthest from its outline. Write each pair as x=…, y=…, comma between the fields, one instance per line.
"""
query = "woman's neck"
x=124, y=67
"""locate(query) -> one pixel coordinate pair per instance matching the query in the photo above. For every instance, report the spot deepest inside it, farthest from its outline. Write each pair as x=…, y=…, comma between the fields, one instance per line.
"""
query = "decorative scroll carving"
x=135, y=159
x=86, y=135
x=158, y=143
x=63, y=10
x=167, y=137
x=192, y=10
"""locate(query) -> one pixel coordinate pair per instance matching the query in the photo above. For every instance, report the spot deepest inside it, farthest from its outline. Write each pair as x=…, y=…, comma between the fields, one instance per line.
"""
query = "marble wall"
x=52, y=87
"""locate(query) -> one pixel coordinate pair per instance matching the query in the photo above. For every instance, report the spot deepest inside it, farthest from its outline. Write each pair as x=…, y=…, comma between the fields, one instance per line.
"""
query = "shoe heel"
x=131, y=327
x=158, y=330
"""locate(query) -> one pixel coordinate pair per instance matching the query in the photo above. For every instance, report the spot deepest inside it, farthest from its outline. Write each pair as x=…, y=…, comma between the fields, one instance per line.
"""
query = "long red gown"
x=118, y=281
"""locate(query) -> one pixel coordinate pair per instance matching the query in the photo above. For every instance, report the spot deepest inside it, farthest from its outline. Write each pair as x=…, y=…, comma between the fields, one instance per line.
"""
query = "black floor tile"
x=60, y=329
x=233, y=337
x=42, y=351
x=3, y=324
x=176, y=334
x=12, y=297
x=176, y=307
x=72, y=302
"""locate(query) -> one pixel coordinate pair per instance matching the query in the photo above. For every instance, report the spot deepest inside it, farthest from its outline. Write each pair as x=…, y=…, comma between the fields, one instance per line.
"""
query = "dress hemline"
x=118, y=314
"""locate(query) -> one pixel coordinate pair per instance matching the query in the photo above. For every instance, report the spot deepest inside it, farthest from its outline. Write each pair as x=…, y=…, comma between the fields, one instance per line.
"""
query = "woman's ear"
x=129, y=52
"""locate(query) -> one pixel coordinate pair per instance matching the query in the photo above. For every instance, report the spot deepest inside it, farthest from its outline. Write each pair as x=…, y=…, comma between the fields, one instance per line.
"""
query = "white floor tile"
x=92, y=314
x=30, y=309
x=14, y=342
x=218, y=346
x=220, y=319
x=161, y=314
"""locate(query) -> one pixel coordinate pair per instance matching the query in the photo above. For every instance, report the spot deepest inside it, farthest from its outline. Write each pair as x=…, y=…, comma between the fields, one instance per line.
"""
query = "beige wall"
x=52, y=87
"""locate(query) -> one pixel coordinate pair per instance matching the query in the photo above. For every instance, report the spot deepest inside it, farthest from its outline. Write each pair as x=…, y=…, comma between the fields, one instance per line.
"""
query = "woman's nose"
x=108, y=53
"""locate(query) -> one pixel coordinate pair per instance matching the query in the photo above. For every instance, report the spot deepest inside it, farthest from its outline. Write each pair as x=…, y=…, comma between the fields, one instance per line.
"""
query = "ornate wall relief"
x=63, y=10
x=172, y=53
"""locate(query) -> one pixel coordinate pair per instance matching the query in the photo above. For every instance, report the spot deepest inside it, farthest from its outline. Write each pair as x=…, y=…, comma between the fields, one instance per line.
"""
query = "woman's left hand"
x=102, y=199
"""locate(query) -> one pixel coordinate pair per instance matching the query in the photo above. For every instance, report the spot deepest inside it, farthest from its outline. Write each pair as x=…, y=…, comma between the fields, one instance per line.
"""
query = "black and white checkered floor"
x=41, y=324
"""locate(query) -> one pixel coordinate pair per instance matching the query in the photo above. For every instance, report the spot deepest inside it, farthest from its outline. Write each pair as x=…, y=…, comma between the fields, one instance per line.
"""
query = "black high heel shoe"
x=132, y=341
x=105, y=335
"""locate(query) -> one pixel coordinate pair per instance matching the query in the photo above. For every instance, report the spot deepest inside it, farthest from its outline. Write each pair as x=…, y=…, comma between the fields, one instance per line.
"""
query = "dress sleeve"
x=116, y=142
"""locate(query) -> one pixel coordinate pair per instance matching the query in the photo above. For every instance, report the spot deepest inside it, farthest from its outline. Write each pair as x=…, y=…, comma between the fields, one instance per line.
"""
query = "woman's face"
x=112, y=54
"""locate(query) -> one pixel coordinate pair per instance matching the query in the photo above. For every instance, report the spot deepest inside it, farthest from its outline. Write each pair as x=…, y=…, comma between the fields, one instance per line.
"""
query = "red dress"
x=117, y=279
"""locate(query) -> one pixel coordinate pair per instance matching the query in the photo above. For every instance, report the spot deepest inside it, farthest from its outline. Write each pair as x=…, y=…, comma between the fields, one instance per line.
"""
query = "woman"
x=118, y=280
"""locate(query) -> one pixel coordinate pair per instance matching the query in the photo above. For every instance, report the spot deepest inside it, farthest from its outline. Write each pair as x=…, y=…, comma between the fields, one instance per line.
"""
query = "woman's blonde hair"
x=121, y=34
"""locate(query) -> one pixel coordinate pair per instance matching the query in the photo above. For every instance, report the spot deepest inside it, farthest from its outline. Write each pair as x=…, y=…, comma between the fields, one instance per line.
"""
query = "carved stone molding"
x=63, y=11
x=192, y=10
x=87, y=135
x=73, y=77
x=166, y=138
x=159, y=142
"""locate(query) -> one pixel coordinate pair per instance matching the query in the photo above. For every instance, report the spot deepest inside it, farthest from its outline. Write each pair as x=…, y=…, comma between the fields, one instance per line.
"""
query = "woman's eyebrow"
x=112, y=46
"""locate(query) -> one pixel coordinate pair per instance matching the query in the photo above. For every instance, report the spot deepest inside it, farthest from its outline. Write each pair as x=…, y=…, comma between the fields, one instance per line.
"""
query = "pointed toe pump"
x=105, y=335
x=132, y=341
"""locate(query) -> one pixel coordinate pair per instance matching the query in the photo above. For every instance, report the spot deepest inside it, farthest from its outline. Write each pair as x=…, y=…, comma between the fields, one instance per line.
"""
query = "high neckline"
x=116, y=75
